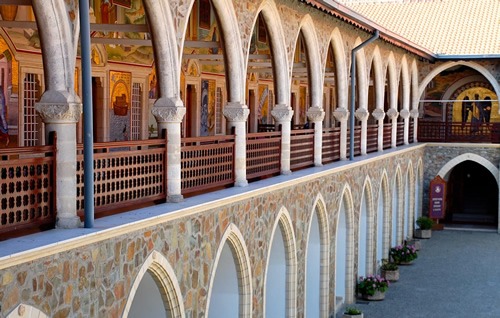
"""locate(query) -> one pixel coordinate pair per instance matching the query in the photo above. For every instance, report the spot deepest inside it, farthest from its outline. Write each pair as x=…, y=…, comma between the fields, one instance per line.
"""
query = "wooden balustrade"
x=387, y=135
x=357, y=141
x=301, y=148
x=400, y=133
x=372, y=138
x=27, y=188
x=331, y=145
x=263, y=154
x=411, y=131
x=206, y=163
x=431, y=131
x=127, y=173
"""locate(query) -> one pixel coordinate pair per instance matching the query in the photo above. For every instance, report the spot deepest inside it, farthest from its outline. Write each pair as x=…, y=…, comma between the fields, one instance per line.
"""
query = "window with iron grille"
x=135, y=125
x=30, y=116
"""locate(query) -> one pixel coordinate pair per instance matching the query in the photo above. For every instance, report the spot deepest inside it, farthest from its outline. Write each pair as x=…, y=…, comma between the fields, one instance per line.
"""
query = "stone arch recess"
x=350, y=277
x=319, y=207
x=410, y=175
x=481, y=69
x=272, y=19
x=242, y=262
x=405, y=77
x=370, y=228
x=444, y=172
x=379, y=79
x=393, y=81
x=398, y=187
x=284, y=221
x=361, y=77
x=165, y=278
x=315, y=73
x=384, y=184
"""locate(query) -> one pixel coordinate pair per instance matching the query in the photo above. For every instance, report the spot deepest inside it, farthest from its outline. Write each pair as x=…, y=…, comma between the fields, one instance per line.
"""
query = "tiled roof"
x=445, y=27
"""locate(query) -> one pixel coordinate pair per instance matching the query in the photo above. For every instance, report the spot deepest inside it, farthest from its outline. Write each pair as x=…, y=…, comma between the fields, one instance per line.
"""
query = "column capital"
x=315, y=114
x=414, y=113
x=236, y=112
x=168, y=110
x=404, y=113
x=282, y=113
x=59, y=113
x=378, y=114
x=392, y=113
x=362, y=114
x=341, y=114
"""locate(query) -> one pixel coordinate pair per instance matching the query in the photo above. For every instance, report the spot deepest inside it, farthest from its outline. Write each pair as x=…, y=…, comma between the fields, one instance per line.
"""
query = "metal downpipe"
x=353, y=90
x=88, y=135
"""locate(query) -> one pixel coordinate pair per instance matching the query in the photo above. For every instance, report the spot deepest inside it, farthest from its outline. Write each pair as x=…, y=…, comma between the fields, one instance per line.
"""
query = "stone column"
x=237, y=114
x=393, y=115
x=342, y=115
x=362, y=115
x=414, y=116
x=379, y=115
x=405, y=114
x=62, y=118
x=316, y=116
x=169, y=113
x=282, y=115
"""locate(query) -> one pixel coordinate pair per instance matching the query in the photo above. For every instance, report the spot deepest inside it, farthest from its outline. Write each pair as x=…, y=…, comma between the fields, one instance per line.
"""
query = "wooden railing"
x=357, y=141
x=372, y=138
x=263, y=154
x=411, y=131
x=206, y=163
x=400, y=133
x=126, y=173
x=432, y=131
x=27, y=188
x=331, y=145
x=301, y=148
x=387, y=135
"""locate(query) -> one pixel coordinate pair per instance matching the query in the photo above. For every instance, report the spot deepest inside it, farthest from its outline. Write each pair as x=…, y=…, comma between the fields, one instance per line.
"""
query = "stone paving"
x=456, y=275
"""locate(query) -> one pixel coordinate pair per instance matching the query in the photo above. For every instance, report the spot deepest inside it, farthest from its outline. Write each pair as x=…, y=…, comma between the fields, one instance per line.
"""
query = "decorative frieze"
x=63, y=113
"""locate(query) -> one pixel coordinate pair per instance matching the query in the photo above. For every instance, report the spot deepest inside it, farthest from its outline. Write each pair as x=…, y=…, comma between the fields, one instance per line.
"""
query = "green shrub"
x=425, y=223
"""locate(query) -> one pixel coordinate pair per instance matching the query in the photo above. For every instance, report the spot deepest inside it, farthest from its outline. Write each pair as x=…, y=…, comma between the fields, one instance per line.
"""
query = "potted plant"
x=352, y=312
x=403, y=254
x=389, y=270
x=373, y=287
x=425, y=227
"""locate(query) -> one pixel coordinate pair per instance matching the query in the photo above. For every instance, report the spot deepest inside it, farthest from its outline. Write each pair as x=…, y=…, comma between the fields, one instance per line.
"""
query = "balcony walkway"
x=456, y=275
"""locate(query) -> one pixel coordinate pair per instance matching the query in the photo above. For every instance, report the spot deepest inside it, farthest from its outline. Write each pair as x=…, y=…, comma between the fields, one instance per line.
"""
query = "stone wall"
x=93, y=276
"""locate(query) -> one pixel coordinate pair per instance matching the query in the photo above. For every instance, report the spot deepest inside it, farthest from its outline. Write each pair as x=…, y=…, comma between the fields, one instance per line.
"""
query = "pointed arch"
x=369, y=228
x=393, y=81
x=165, y=47
x=379, y=78
x=283, y=223
x=361, y=77
x=319, y=210
x=397, y=208
x=444, y=172
x=405, y=78
x=414, y=85
x=233, y=237
x=384, y=216
x=342, y=76
x=272, y=19
x=346, y=205
x=24, y=310
x=164, y=276
x=409, y=201
x=481, y=69
x=315, y=72
x=418, y=190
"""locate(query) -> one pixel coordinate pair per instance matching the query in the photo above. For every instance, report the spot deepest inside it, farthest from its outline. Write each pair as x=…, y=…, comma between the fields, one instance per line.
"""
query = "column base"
x=68, y=222
x=286, y=172
x=243, y=183
x=175, y=198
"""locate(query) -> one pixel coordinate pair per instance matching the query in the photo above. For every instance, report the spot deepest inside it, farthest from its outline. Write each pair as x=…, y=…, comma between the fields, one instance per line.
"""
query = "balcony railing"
x=331, y=144
x=432, y=131
x=27, y=188
x=357, y=141
x=372, y=138
x=400, y=133
x=301, y=149
x=263, y=154
x=387, y=135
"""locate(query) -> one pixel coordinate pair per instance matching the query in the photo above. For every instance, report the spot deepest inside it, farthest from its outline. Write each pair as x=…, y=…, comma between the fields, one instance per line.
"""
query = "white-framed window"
x=136, y=115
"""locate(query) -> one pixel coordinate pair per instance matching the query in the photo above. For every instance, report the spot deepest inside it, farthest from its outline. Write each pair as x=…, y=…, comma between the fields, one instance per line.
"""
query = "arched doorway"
x=472, y=196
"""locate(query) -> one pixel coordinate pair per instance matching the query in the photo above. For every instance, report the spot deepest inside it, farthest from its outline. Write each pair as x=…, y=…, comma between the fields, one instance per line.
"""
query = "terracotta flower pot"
x=8, y=12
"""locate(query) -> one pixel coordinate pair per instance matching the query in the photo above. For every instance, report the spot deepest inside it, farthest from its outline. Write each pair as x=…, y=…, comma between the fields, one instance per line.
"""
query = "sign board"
x=437, y=198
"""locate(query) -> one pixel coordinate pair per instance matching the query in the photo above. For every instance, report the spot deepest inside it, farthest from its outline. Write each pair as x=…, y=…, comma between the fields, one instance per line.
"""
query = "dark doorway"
x=472, y=196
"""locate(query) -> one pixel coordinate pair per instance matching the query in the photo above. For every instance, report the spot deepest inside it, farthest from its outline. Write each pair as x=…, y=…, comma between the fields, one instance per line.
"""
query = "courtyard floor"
x=457, y=274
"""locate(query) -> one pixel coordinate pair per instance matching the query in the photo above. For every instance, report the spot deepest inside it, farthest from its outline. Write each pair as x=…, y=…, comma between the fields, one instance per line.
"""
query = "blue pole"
x=88, y=137
x=353, y=90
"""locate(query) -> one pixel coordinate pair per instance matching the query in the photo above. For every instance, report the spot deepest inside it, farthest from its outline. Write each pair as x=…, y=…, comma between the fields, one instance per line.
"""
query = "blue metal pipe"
x=353, y=90
x=88, y=134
